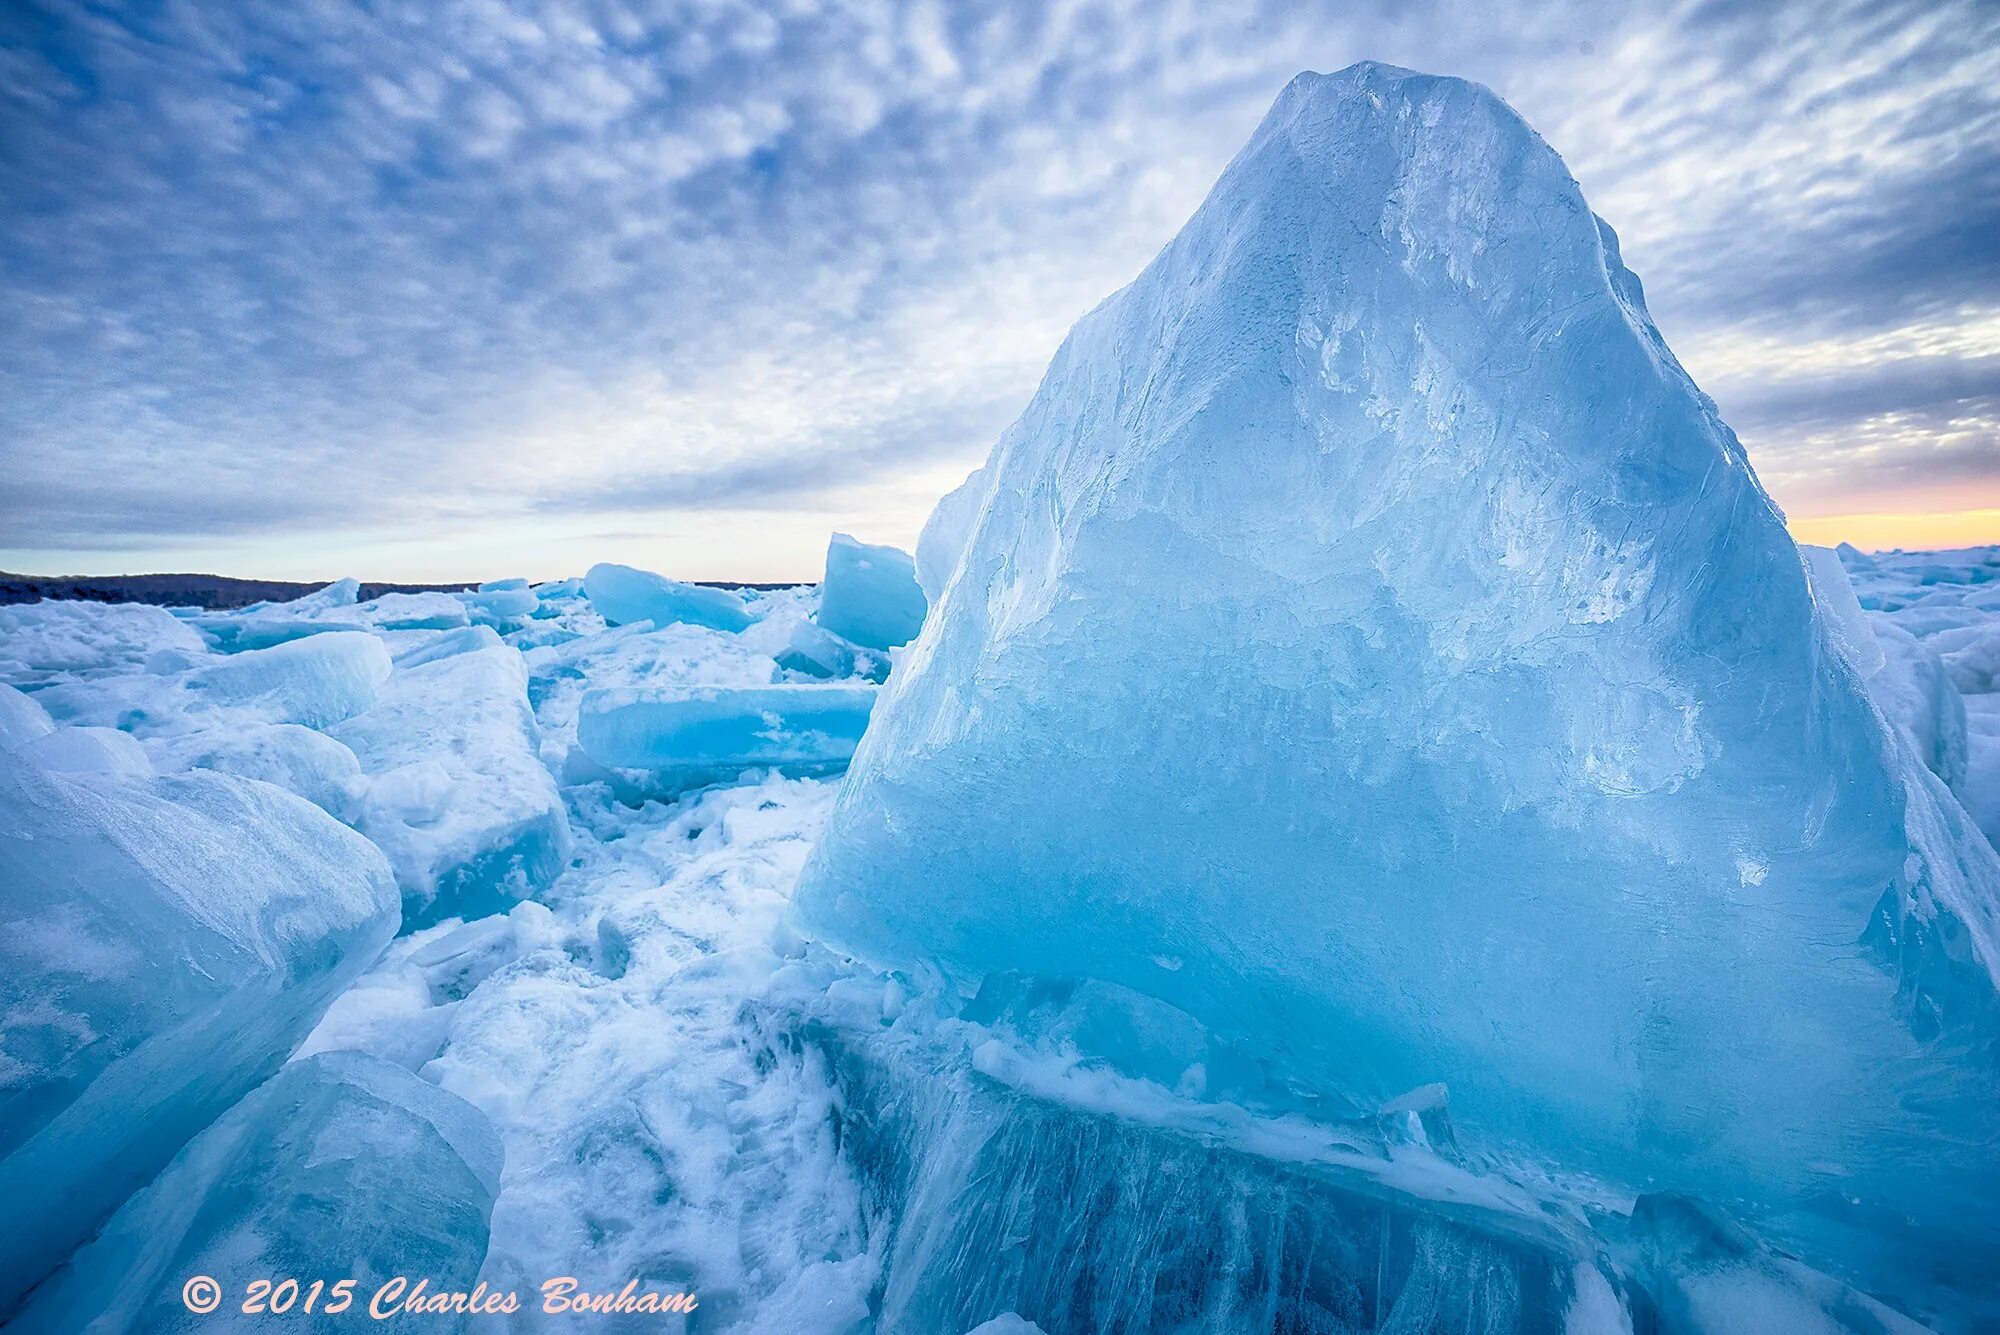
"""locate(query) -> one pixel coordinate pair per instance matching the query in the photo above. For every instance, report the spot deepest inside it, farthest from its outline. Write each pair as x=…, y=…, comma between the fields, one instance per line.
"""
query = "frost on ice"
x=1371, y=646
x=164, y=944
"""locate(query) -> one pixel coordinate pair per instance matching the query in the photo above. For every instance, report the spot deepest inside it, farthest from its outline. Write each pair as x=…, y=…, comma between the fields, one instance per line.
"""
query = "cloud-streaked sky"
x=482, y=287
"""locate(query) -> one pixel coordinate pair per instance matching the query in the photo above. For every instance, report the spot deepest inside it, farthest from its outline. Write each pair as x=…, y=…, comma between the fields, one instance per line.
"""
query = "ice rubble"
x=341, y=1167
x=164, y=943
x=44, y=640
x=1372, y=646
x=870, y=594
x=623, y=595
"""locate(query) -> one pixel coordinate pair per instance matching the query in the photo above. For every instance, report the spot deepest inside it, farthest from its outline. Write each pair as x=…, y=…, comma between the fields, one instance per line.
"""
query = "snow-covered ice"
x=341, y=1167
x=164, y=944
x=54, y=640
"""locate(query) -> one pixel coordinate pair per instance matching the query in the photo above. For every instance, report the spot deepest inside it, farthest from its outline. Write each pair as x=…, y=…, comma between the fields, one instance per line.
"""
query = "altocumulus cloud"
x=575, y=270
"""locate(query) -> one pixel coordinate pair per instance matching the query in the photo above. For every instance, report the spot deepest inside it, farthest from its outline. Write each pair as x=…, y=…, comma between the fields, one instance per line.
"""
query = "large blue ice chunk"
x=703, y=731
x=164, y=944
x=870, y=594
x=1372, y=644
x=455, y=791
x=340, y=1167
x=623, y=595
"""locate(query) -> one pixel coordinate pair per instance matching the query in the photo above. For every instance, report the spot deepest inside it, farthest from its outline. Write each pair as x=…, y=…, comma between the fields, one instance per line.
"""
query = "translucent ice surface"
x=696, y=731
x=1372, y=646
x=870, y=594
x=164, y=944
x=342, y=1166
x=623, y=595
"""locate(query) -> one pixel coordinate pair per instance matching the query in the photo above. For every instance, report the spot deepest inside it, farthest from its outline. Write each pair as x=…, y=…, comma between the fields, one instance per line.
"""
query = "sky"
x=477, y=288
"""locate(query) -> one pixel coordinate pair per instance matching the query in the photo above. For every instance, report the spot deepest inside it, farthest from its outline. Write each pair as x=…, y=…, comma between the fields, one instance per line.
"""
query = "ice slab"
x=697, y=731
x=263, y=625
x=455, y=793
x=414, y=611
x=295, y=758
x=870, y=594
x=623, y=596
x=464, y=640
x=1372, y=645
x=340, y=1167
x=500, y=604
x=316, y=681
x=164, y=944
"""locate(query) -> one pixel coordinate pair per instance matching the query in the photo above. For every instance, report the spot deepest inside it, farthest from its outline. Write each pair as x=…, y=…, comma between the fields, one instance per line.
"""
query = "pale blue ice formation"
x=296, y=758
x=702, y=732
x=164, y=944
x=500, y=603
x=1372, y=647
x=262, y=625
x=623, y=596
x=54, y=640
x=22, y=719
x=340, y=1167
x=414, y=611
x=454, y=790
x=88, y=750
x=317, y=681
x=463, y=640
x=870, y=594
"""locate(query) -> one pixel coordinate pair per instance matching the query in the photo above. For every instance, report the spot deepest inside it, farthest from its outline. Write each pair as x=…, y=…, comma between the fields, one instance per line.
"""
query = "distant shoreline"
x=219, y=593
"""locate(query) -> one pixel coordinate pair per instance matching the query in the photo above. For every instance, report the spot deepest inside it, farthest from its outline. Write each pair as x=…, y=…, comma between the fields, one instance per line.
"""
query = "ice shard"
x=342, y=1168
x=1373, y=645
x=164, y=944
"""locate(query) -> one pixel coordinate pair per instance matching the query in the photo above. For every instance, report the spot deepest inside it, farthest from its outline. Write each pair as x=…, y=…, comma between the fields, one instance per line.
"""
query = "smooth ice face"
x=1370, y=643
x=709, y=731
x=164, y=944
x=342, y=1166
x=623, y=595
x=454, y=791
x=870, y=594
